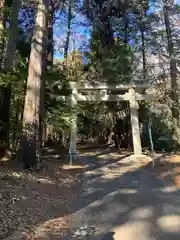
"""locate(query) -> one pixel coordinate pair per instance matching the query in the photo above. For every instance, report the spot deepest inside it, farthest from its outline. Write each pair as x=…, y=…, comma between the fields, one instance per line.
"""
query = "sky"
x=80, y=33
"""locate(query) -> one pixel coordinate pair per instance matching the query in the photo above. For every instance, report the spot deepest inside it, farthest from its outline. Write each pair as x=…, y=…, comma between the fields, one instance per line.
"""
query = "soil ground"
x=104, y=196
x=32, y=199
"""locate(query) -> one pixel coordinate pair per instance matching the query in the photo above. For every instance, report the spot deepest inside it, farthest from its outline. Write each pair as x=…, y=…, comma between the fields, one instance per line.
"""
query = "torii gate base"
x=140, y=158
x=130, y=96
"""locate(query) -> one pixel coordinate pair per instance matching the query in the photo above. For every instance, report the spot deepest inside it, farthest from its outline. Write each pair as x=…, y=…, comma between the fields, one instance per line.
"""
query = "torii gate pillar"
x=135, y=123
x=73, y=125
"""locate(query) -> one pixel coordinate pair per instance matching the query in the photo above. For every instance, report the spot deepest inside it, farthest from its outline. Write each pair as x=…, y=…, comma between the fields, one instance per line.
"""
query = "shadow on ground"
x=120, y=200
x=109, y=236
x=135, y=202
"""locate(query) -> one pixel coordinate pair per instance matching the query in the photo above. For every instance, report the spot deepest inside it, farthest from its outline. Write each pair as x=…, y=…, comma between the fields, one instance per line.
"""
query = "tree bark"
x=17, y=123
x=12, y=37
x=173, y=73
x=68, y=33
x=3, y=135
x=50, y=47
x=30, y=141
x=6, y=67
x=142, y=31
x=1, y=29
x=48, y=61
x=144, y=56
x=126, y=25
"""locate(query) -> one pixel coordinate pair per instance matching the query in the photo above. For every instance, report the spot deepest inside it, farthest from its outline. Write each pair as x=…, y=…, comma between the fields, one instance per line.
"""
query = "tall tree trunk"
x=12, y=36
x=173, y=72
x=2, y=107
x=17, y=121
x=143, y=56
x=143, y=49
x=30, y=145
x=68, y=32
x=106, y=36
x=6, y=67
x=143, y=15
x=50, y=47
x=48, y=61
x=126, y=25
x=1, y=29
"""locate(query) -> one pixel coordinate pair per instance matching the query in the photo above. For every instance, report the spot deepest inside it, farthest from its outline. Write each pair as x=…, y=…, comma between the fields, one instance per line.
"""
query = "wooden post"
x=73, y=125
x=135, y=122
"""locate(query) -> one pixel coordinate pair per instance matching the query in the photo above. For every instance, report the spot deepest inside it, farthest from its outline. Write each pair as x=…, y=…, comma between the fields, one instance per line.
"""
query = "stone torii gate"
x=100, y=94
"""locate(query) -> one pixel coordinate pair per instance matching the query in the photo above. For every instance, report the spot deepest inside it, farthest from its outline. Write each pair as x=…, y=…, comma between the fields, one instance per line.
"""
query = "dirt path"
x=125, y=201
x=108, y=198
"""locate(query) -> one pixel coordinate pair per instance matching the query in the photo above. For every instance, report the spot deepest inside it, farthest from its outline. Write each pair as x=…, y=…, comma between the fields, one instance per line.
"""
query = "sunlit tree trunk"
x=30, y=141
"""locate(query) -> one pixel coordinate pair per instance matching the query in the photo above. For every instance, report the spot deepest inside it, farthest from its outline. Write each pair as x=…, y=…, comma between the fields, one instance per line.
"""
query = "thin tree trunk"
x=2, y=42
x=173, y=72
x=126, y=25
x=30, y=145
x=68, y=33
x=144, y=70
x=143, y=56
x=142, y=30
x=50, y=47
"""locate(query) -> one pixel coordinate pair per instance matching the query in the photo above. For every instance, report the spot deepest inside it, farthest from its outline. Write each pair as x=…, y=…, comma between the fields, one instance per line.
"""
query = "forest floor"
x=104, y=196
x=32, y=200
